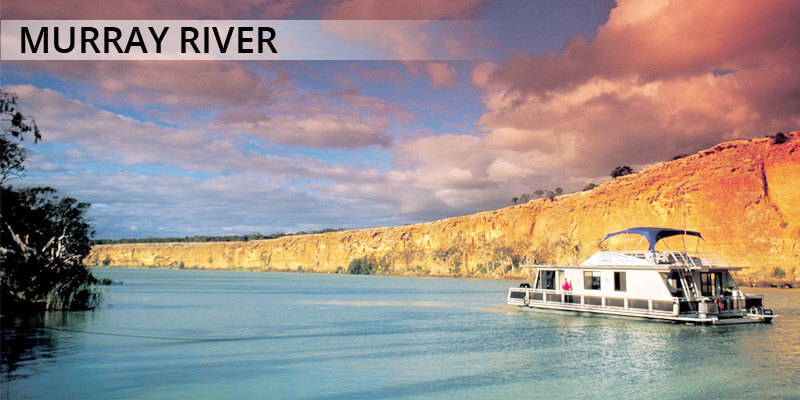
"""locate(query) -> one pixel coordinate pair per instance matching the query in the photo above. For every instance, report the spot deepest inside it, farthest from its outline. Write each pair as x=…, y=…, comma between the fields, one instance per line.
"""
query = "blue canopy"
x=653, y=235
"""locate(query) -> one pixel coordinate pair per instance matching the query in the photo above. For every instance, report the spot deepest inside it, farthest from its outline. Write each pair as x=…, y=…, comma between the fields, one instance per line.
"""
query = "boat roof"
x=653, y=235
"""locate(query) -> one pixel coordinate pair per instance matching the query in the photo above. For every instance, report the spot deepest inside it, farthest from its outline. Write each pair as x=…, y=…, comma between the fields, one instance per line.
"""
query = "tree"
x=550, y=194
x=622, y=171
x=679, y=156
x=43, y=237
x=15, y=127
x=779, y=138
x=44, y=241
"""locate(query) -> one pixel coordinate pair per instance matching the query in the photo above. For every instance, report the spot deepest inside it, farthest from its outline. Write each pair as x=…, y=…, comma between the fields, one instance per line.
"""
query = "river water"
x=183, y=334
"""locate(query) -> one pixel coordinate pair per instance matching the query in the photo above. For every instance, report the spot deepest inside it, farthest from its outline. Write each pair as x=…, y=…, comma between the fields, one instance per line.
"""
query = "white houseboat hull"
x=526, y=302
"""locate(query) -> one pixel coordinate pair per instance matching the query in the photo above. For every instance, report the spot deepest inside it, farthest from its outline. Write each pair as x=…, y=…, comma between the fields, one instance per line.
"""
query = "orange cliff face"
x=743, y=196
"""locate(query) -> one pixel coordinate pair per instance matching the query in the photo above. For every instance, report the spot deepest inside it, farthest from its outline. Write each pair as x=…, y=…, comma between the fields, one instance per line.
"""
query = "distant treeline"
x=228, y=238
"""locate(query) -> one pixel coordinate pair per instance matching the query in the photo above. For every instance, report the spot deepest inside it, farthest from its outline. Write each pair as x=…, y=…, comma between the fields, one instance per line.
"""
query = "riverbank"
x=521, y=274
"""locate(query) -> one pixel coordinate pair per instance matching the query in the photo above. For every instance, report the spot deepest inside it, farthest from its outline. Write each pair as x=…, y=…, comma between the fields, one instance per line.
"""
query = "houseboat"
x=667, y=285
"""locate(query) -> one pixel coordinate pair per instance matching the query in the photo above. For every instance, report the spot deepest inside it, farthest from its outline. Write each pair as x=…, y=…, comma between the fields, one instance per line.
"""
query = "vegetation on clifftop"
x=205, y=238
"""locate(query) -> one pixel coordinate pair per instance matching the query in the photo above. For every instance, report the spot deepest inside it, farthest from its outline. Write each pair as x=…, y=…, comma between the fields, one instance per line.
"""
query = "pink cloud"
x=673, y=40
x=442, y=74
x=240, y=9
x=399, y=10
x=105, y=137
x=659, y=79
x=340, y=119
x=216, y=84
x=157, y=9
x=316, y=131
x=383, y=75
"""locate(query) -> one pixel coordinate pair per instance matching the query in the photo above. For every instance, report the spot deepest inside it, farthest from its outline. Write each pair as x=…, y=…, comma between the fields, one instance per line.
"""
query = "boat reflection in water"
x=668, y=285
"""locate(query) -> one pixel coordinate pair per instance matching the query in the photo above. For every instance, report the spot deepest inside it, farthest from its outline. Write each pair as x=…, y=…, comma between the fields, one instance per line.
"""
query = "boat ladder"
x=688, y=284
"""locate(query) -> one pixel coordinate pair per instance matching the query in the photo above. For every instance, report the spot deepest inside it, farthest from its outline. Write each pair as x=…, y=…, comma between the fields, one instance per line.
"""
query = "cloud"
x=383, y=75
x=406, y=10
x=174, y=84
x=130, y=204
x=148, y=9
x=148, y=179
x=325, y=131
x=648, y=86
x=339, y=119
x=102, y=136
x=661, y=41
x=659, y=79
x=231, y=98
x=442, y=74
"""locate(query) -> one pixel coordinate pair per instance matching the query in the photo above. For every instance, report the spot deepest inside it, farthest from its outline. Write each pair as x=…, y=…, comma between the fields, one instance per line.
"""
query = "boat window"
x=547, y=280
x=727, y=283
x=591, y=280
x=673, y=281
x=710, y=283
x=619, y=282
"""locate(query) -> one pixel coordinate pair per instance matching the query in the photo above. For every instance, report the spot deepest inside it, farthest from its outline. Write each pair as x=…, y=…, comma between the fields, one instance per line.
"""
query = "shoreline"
x=742, y=283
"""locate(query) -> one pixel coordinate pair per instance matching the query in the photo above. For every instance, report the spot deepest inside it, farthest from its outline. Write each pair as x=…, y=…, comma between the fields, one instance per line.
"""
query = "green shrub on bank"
x=360, y=266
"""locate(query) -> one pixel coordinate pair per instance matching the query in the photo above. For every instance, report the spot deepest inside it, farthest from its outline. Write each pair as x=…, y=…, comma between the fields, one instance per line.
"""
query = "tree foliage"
x=779, y=138
x=43, y=237
x=622, y=171
x=538, y=193
x=679, y=156
x=44, y=241
x=15, y=128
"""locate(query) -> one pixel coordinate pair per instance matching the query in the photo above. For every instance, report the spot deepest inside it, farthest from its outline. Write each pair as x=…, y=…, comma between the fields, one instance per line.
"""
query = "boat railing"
x=670, y=257
x=735, y=302
x=524, y=296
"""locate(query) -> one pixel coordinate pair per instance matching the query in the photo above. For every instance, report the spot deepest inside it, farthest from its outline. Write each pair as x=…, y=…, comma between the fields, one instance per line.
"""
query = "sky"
x=509, y=97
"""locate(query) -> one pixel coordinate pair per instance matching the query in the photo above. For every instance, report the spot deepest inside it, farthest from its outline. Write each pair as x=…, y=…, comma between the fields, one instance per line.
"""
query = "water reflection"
x=28, y=340
x=627, y=358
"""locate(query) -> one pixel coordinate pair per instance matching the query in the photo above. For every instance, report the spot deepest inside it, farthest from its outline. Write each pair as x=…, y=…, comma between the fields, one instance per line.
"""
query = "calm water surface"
x=169, y=334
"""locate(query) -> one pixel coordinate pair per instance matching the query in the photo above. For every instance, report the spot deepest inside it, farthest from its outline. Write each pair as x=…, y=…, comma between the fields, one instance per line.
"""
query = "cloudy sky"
x=543, y=94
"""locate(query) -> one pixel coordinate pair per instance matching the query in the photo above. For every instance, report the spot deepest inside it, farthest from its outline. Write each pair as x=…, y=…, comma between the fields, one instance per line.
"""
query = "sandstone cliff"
x=744, y=197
